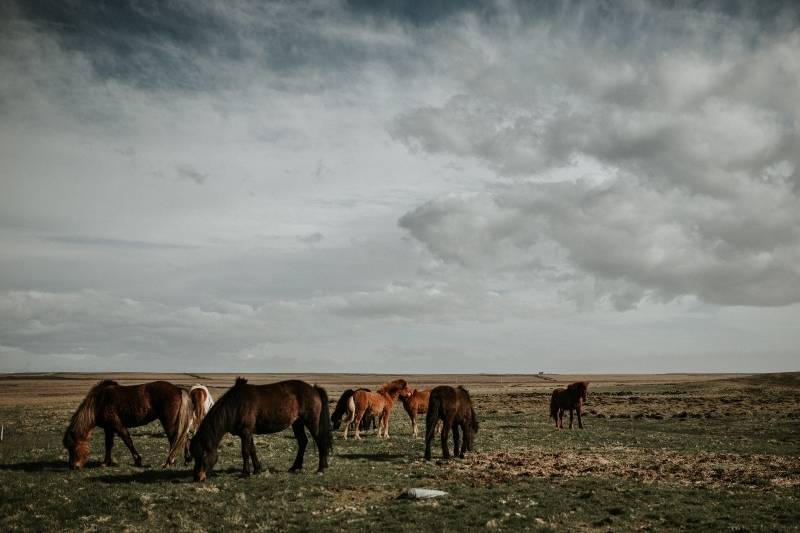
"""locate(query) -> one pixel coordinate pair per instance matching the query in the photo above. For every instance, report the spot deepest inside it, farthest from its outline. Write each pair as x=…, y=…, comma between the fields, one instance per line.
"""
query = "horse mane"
x=391, y=387
x=579, y=386
x=217, y=420
x=83, y=418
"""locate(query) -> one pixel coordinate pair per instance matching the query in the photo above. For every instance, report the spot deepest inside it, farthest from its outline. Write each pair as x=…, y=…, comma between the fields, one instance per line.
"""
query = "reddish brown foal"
x=377, y=404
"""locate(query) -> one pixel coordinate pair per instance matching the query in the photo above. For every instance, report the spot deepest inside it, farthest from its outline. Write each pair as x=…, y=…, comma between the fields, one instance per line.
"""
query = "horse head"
x=78, y=449
x=205, y=457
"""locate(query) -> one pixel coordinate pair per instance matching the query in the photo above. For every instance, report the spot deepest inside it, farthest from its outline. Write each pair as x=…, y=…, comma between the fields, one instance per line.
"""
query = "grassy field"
x=658, y=452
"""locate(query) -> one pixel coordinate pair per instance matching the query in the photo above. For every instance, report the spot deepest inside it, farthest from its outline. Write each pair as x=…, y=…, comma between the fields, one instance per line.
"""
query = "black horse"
x=245, y=410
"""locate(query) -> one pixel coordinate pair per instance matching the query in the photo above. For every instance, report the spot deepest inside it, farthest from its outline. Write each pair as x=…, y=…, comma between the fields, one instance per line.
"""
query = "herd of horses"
x=246, y=410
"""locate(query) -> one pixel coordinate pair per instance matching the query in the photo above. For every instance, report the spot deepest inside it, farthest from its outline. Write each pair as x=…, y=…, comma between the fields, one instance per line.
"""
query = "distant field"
x=675, y=451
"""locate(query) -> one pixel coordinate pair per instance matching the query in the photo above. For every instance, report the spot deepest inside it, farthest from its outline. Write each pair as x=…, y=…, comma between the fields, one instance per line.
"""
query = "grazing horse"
x=115, y=408
x=245, y=410
x=453, y=407
x=571, y=398
x=415, y=403
x=347, y=406
x=376, y=404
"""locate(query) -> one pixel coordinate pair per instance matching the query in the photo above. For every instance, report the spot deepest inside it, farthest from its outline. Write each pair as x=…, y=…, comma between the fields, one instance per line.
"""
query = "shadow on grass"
x=45, y=466
x=371, y=456
x=148, y=476
x=157, y=476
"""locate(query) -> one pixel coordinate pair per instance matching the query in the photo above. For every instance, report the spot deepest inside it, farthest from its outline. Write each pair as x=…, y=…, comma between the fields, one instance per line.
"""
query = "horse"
x=571, y=398
x=115, y=408
x=201, y=403
x=453, y=407
x=376, y=404
x=245, y=410
x=347, y=406
x=415, y=403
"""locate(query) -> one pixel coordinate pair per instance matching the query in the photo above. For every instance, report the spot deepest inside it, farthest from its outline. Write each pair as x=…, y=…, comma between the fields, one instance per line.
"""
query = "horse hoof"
x=294, y=470
x=110, y=463
x=244, y=475
x=137, y=462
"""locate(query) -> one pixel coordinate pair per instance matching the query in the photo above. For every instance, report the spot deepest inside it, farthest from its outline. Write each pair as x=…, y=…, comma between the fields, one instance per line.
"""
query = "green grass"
x=359, y=492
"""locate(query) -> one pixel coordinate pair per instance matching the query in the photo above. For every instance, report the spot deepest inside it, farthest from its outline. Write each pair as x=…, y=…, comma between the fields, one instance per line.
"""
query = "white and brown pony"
x=201, y=404
x=377, y=403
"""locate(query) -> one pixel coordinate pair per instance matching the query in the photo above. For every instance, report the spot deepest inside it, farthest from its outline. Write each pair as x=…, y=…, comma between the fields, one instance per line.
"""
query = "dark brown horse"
x=246, y=410
x=569, y=399
x=346, y=406
x=453, y=407
x=115, y=408
x=376, y=404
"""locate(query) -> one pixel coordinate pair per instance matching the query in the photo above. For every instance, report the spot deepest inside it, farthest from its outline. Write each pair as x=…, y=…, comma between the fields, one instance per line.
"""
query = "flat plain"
x=659, y=452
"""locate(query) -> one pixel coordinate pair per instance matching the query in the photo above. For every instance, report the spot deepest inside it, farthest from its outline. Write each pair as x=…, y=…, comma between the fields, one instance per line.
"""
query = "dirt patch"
x=704, y=469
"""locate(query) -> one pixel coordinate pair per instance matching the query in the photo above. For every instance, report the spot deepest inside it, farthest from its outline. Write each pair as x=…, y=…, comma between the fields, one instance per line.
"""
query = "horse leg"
x=445, y=437
x=187, y=455
x=302, y=442
x=245, y=436
x=357, y=422
x=122, y=431
x=108, y=461
x=386, y=414
x=322, y=450
x=570, y=419
x=580, y=424
x=254, y=457
x=560, y=418
x=171, y=429
x=430, y=434
x=457, y=442
x=414, y=426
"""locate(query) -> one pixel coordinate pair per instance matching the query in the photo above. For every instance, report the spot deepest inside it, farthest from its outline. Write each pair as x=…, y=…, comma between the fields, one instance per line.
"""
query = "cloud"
x=550, y=164
x=661, y=175
x=188, y=173
x=311, y=238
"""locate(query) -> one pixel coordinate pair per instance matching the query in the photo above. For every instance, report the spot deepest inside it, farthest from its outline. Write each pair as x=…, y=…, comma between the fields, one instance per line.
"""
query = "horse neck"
x=216, y=423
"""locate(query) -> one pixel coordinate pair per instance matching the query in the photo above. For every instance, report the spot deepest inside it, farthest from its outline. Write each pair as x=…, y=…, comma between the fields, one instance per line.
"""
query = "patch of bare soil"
x=703, y=469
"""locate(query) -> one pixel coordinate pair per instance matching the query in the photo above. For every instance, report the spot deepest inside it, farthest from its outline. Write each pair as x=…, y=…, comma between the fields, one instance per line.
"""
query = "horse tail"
x=202, y=401
x=341, y=408
x=186, y=413
x=434, y=407
x=325, y=439
x=554, y=406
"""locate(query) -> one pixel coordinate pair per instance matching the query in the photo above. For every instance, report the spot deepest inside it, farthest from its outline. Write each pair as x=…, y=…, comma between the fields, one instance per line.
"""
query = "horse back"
x=275, y=407
x=136, y=405
x=372, y=401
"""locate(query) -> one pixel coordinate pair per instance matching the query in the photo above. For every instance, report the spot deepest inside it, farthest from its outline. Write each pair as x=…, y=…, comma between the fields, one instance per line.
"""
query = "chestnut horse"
x=415, y=403
x=376, y=404
x=453, y=407
x=246, y=410
x=115, y=408
x=571, y=398
x=346, y=406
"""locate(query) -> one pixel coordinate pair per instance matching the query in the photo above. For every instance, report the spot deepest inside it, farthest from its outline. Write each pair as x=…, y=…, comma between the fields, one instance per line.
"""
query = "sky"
x=400, y=187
